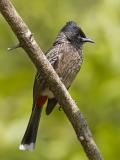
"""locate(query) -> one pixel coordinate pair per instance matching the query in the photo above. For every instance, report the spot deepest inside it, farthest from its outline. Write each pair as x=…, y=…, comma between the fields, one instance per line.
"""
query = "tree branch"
x=28, y=43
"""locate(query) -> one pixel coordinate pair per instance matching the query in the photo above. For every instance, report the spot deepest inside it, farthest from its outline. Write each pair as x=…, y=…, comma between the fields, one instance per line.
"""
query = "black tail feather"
x=50, y=105
x=29, y=138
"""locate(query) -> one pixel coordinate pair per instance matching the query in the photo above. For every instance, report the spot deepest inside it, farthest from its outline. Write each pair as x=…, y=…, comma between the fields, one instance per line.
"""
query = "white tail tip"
x=29, y=147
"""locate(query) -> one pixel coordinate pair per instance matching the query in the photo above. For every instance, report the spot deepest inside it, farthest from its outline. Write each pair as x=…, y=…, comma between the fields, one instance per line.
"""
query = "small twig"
x=14, y=47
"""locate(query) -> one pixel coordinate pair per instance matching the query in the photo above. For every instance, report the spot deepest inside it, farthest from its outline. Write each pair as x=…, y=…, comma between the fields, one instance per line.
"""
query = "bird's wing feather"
x=39, y=82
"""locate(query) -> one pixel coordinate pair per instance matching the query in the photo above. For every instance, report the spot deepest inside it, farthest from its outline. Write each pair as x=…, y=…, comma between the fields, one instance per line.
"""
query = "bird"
x=66, y=58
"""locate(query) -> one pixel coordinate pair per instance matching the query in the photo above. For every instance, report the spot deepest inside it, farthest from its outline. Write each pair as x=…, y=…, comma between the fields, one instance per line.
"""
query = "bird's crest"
x=72, y=26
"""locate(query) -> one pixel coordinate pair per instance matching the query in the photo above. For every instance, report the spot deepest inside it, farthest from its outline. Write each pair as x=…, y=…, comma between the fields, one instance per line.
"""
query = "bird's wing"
x=53, y=55
x=39, y=82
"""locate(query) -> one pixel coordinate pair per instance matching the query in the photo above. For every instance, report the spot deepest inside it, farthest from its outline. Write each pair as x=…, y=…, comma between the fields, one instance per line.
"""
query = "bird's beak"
x=87, y=40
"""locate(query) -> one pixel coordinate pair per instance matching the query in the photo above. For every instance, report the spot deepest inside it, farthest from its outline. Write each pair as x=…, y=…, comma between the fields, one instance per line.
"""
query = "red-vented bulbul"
x=66, y=58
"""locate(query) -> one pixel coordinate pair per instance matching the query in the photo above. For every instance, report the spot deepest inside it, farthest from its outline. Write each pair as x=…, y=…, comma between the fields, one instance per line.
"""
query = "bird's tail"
x=29, y=138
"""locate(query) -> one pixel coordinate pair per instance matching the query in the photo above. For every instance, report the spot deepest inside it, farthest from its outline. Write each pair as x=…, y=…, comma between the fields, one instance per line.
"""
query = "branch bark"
x=28, y=43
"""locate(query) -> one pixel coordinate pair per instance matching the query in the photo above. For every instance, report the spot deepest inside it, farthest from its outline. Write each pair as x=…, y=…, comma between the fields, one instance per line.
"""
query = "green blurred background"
x=96, y=89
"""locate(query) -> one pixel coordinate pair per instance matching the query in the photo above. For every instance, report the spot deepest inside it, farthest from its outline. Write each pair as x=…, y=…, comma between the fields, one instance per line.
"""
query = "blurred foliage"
x=96, y=89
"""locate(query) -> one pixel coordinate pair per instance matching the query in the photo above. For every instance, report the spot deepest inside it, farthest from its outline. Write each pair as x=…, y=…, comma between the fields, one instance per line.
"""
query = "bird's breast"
x=68, y=67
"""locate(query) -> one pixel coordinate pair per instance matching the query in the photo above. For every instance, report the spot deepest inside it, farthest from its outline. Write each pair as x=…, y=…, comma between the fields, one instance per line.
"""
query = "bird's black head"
x=75, y=34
